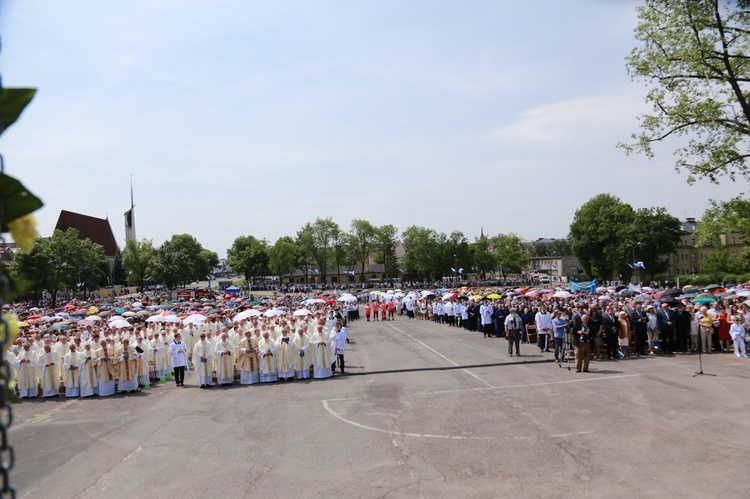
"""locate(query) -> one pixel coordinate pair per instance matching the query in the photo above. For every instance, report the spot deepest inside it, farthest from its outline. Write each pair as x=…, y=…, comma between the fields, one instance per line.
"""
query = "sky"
x=238, y=118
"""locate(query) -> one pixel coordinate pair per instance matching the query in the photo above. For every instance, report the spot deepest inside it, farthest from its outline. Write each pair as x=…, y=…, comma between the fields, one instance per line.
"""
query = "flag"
x=461, y=270
x=453, y=270
x=639, y=265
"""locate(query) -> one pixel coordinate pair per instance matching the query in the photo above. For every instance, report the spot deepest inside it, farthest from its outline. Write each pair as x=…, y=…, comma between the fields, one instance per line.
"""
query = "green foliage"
x=62, y=262
x=422, y=255
x=693, y=55
x=118, y=271
x=556, y=247
x=656, y=235
x=17, y=200
x=385, y=253
x=483, y=257
x=601, y=235
x=139, y=262
x=720, y=219
x=180, y=260
x=365, y=235
x=249, y=256
x=283, y=256
x=510, y=253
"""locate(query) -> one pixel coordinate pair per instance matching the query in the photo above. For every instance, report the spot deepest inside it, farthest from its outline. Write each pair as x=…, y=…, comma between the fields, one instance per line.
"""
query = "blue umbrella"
x=58, y=327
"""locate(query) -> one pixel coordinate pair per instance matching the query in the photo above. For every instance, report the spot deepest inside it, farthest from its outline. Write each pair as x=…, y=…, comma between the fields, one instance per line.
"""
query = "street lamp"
x=634, y=265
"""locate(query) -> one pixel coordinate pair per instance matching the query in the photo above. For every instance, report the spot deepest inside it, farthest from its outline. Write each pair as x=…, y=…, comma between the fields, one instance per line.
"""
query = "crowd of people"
x=236, y=346
x=298, y=337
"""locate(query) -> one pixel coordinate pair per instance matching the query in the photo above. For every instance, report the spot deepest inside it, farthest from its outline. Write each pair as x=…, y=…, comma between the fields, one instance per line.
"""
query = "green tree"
x=385, y=243
x=422, y=252
x=694, y=56
x=721, y=218
x=180, y=261
x=324, y=232
x=139, y=262
x=118, y=270
x=249, y=256
x=656, y=235
x=510, y=253
x=283, y=257
x=455, y=254
x=483, y=256
x=62, y=262
x=306, y=250
x=365, y=235
x=555, y=247
x=601, y=236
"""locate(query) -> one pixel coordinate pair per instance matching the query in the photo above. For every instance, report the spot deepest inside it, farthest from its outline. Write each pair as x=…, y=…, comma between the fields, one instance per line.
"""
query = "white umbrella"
x=137, y=305
x=347, y=298
x=562, y=294
x=118, y=324
x=174, y=319
x=302, y=311
x=743, y=292
x=116, y=318
x=156, y=318
x=126, y=314
x=245, y=314
x=272, y=312
x=313, y=301
x=398, y=294
x=196, y=319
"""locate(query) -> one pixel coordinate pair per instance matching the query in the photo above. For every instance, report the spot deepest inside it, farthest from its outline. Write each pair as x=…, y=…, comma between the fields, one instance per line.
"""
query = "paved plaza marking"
x=45, y=415
x=441, y=355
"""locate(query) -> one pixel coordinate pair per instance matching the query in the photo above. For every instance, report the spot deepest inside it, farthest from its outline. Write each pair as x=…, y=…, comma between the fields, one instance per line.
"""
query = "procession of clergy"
x=99, y=361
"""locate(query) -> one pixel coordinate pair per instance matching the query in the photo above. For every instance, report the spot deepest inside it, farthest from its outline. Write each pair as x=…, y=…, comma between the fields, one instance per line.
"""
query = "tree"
x=694, y=55
x=656, y=235
x=510, y=253
x=421, y=258
x=456, y=254
x=306, y=249
x=600, y=236
x=324, y=230
x=365, y=235
x=138, y=262
x=62, y=262
x=483, y=256
x=720, y=219
x=385, y=242
x=555, y=247
x=249, y=256
x=283, y=257
x=180, y=261
x=118, y=271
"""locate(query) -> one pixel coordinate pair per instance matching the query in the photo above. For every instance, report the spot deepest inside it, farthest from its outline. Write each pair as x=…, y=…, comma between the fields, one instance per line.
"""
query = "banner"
x=583, y=287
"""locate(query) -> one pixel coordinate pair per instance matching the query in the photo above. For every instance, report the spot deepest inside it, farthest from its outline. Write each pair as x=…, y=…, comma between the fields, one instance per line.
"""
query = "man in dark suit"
x=665, y=320
x=682, y=328
x=639, y=323
x=582, y=338
x=609, y=331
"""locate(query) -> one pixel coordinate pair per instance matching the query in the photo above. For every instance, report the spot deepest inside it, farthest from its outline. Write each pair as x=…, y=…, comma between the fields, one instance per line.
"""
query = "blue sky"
x=253, y=118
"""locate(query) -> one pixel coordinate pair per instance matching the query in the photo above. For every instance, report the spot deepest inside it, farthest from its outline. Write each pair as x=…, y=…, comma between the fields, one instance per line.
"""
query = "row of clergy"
x=131, y=362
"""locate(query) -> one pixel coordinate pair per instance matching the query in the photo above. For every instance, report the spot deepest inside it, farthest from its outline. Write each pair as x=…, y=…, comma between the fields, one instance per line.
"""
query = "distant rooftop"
x=97, y=230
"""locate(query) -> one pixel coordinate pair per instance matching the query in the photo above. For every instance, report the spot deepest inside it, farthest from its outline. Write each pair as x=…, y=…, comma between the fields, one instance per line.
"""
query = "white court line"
x=381, y=430
x=443, y=356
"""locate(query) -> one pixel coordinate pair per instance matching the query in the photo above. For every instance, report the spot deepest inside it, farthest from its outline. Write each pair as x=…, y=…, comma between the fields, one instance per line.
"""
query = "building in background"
x=97, y=230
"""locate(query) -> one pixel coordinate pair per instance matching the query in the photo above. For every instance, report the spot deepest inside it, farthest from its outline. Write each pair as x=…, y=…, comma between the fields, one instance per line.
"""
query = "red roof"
x=97, y=230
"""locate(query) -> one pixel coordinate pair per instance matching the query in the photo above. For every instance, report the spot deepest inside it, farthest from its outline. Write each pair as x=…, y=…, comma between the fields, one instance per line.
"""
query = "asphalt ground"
x=409, y=420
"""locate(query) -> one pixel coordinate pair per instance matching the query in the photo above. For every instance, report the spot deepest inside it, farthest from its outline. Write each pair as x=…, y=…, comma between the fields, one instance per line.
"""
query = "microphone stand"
x=700, y=364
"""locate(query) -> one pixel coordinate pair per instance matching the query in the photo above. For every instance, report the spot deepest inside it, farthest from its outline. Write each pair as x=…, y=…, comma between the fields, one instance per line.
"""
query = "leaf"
x=17, y=200
x=12, y=103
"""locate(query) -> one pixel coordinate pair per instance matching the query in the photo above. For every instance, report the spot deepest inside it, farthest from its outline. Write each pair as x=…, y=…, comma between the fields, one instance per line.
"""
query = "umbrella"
x=156, y=318
x=743, y=292
x=711, y=287
x=671, y=292
x=118, y=324
x=704, y=298
x=273, y=312
x=137, y=305
x=494, y=296
x=604, y=298
x=119, y=310
x=641, y=298
x=562, y=294
x=129, y=314
x=85, y=322
x=173, y=319
x=196, y=319
x=115, y=318
x=302, y=311
x=106, y=313
x=58, y=327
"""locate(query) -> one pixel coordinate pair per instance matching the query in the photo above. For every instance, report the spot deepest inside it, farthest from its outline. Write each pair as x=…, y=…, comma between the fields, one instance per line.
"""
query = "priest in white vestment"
x=323, y=355
x=88, y=372
x=267, y=358
x=224, y=351
x=26, y=372
x=285, y=356
x=106, y=369
x=49, y=376
x=302, y=357
x=247, y=360
x=71, y=367
x=127, y=371
x=203, y=356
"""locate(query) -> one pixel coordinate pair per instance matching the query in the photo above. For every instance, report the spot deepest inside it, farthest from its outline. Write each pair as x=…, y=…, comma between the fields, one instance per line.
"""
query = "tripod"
x=700, y=364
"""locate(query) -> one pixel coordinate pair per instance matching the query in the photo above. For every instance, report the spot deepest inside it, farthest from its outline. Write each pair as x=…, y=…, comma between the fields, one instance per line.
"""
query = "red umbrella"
x=330, y=302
